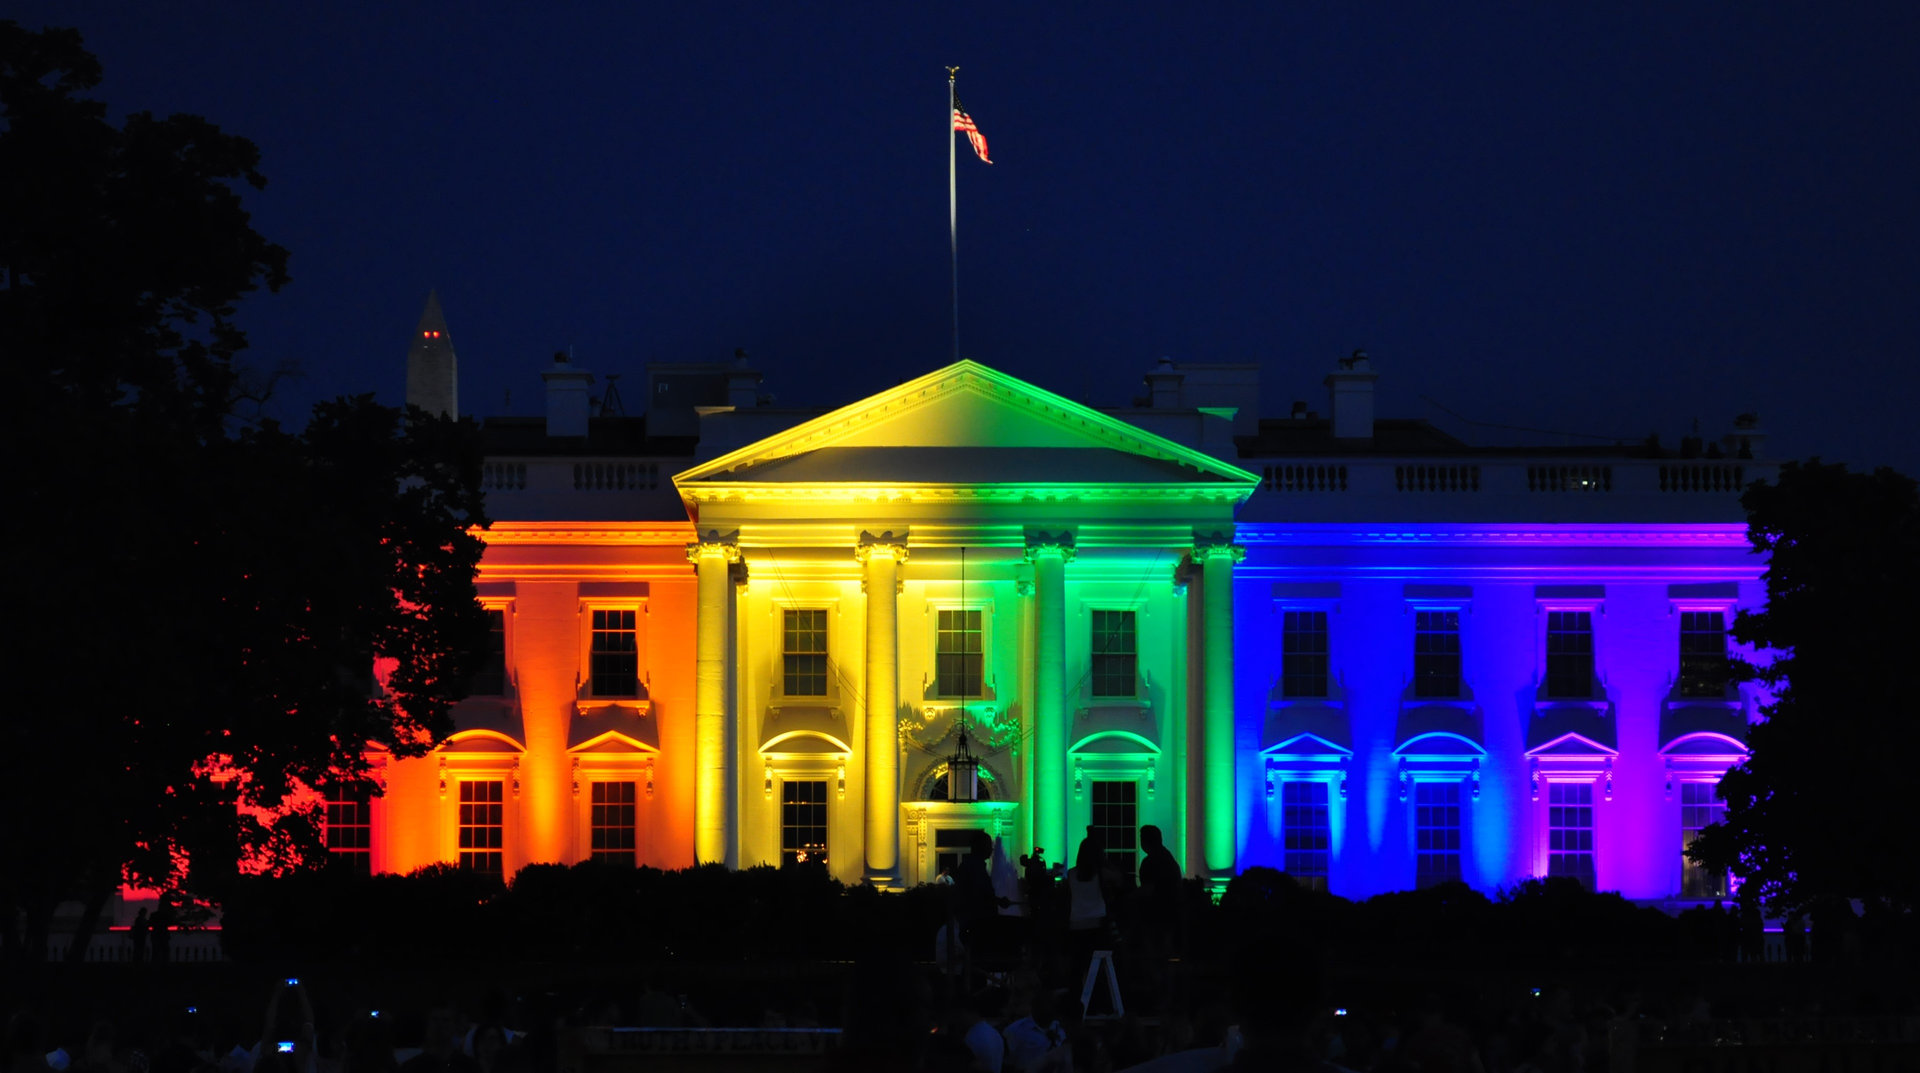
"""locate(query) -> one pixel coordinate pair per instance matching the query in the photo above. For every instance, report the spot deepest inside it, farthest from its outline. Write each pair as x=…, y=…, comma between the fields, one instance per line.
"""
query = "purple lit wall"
x=1501, y=743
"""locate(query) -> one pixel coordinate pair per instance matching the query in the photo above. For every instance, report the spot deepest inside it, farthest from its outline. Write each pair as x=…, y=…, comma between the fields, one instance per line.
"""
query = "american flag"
x=963, y=121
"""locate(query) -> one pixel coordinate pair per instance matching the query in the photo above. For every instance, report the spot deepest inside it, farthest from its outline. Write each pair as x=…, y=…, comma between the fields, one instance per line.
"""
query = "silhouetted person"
x=440, y=1047
x=162, y=924
x=1160, y=885
x=139, y=932
x=1793, y=934
x=1753, y=933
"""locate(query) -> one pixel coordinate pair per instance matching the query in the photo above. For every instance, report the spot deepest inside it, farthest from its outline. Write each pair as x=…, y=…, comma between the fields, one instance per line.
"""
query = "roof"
x=526, y=437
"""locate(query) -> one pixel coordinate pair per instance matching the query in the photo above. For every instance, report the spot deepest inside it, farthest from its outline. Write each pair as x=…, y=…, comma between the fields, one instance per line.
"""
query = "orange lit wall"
x=548, y=577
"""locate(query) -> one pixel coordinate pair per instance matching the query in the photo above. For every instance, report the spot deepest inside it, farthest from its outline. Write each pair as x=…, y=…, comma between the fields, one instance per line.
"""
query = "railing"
x=1304, y=478
x=615, y=476
x=184, y=947
x=503, y=476
x=1436, y=478
x=1569, y=478
x=1702, y=477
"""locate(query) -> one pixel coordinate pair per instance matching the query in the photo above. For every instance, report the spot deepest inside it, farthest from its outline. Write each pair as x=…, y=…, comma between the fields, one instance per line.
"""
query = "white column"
x=713, y=561
x=1049, y=554
x=1216, y=796
x=881, y=556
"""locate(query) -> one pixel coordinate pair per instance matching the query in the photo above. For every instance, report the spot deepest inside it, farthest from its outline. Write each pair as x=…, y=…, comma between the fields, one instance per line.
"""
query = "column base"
x=888, y=880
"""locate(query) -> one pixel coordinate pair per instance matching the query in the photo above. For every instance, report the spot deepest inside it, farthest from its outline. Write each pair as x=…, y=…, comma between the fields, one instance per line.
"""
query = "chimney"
x=1747, y=440
x=569, y=392
x=1163, y=386
x=743, y=384
x=1351, y=388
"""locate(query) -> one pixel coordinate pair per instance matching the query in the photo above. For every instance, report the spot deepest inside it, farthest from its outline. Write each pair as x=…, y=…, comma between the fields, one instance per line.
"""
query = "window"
x=1114, y=658
x=1436, y=826
x=491, y=679
x=1116, y=820
x=1703, y=654
x=612, y=822
x=614, y=666
x=1700, y=808
x=481, y=826
x=1436, y=654
x=1303, y=659
x=803, y=647
x=1307, y=838
x=803, y=821
x=349, y=830
x=1570, y=654
x=957, y=653
x=1570, y=831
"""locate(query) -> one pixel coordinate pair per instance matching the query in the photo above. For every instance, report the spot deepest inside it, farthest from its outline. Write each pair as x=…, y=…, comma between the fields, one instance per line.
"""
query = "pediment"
x=966, y=425
x=1307, y=746
x=613, y=728
x=1573, y=746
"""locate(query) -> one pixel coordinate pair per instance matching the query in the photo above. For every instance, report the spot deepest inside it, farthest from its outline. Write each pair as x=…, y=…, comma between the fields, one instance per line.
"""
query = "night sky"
x=1569, y=217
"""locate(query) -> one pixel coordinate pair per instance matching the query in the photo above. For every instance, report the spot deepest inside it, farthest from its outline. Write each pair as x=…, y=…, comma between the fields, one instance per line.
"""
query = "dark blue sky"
x=1572, y=217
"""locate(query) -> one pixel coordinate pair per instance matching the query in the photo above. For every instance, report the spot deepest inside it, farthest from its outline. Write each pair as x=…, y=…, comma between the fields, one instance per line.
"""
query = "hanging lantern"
x=963, y=771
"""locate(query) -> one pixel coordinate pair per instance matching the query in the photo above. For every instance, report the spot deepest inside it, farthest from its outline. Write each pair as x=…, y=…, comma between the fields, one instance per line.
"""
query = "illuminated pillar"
x=713, y=561
x=1049, y=555
x=1216, y=799
x=881, y=556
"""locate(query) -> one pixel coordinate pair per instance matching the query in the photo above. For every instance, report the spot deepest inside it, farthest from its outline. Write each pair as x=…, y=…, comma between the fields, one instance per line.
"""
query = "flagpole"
x=953, y=211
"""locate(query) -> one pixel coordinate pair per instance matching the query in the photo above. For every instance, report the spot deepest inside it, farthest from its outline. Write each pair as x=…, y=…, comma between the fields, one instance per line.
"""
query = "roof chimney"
x=1351, y=388
x=569, y=393
x=1747, y=440
x=743, y=384
x=1163, y=386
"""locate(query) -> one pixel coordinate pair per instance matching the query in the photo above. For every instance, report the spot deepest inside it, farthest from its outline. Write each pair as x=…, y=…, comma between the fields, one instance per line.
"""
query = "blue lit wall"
x=1634, y=744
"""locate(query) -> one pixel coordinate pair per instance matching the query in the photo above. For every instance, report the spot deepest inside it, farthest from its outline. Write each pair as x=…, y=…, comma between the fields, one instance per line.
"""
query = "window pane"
x=804, y=652
x=491, y=679
x=1116, y=820
x=1304, y=654
x=803, y=821
x=482, y=826
x=349, y=829
x=1307, y=839
x=1570, y=654
x=614, y=665
x=1704, y=671
x=1114, y=657
x=1436, y=825
x=1436, y=654
x=1700, y=808
x=1570, y=830
x=612, y=822
x=957, y=655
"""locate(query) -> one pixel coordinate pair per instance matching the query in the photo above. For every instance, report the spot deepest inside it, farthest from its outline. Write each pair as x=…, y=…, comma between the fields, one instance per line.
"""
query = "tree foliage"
x=1819, y=812
x=199, y=599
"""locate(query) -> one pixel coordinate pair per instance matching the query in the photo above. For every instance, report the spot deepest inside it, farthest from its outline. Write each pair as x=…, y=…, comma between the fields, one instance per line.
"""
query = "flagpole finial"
x=951, y=71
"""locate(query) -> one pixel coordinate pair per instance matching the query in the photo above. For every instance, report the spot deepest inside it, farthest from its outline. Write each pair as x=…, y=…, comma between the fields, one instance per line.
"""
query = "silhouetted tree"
x=1820, y=809
x=198, y=600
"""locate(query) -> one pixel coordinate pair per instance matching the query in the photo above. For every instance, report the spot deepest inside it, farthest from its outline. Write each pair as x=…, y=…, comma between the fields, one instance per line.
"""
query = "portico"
x=964, y=549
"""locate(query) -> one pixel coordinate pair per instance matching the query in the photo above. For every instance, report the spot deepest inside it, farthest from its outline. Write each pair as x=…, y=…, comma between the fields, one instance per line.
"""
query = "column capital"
x=1044, y=544
x=887, y=545
x=1216, y=545
x=714, y=543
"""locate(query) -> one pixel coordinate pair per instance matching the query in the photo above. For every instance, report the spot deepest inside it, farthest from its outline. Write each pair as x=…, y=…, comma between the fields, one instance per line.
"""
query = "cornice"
x=856, y=492
x=1730, y=535
x=592, y=533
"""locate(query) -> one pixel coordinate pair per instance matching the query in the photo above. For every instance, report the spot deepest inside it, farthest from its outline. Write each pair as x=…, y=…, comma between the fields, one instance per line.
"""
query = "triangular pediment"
x=968, y=425
x=1573, y=746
